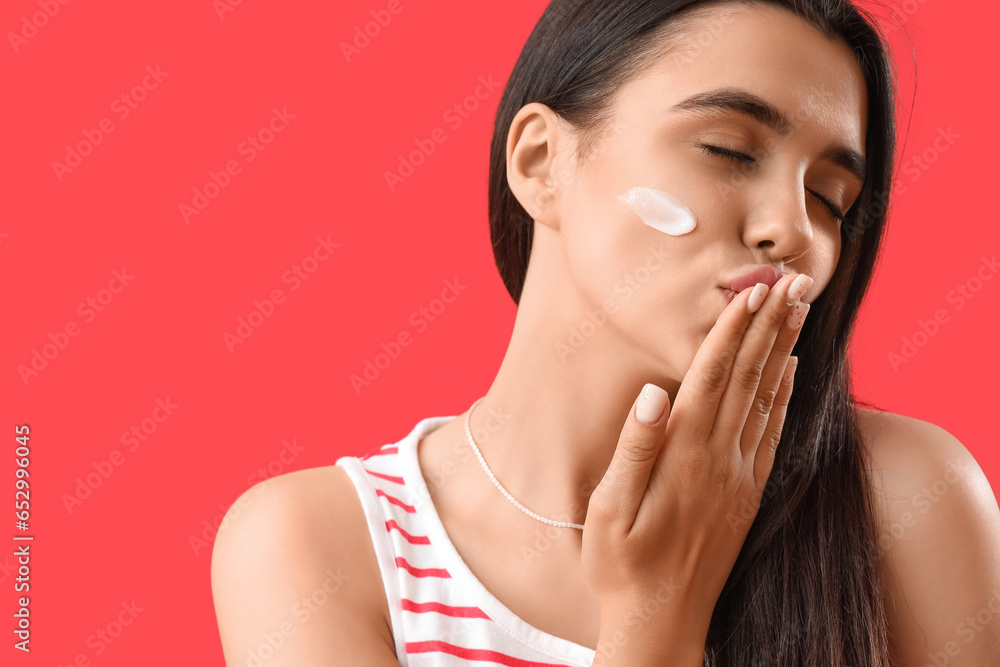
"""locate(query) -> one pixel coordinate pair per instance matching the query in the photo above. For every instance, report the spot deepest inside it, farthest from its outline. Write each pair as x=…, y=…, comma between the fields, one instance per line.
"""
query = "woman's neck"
x=550, y=422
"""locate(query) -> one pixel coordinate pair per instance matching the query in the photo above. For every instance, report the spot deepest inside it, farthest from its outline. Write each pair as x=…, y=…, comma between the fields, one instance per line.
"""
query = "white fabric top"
x=441, y=614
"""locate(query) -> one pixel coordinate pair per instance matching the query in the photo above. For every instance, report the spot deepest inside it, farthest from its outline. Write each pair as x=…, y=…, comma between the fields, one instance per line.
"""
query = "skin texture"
x=557, y=415
x=939, y=533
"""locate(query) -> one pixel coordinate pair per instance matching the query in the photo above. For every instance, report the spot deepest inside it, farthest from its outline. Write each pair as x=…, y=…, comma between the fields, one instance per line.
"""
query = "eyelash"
x=746, y=159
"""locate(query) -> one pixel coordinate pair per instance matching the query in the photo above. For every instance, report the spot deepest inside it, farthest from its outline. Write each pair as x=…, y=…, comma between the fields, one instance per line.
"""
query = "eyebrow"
x=739, y=101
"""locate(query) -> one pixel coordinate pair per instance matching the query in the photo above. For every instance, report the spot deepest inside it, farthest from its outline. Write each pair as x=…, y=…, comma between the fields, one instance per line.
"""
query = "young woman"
x=641, y=485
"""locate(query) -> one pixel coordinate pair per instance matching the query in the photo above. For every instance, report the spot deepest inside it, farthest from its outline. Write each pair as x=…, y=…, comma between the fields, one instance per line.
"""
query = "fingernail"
x=798, y=287
x=798, y=315
x=652, y=400
x=793, y=363
x=757, y=297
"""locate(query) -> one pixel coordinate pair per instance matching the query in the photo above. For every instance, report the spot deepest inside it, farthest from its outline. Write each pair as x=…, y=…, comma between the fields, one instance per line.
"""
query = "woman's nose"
x=782, y=229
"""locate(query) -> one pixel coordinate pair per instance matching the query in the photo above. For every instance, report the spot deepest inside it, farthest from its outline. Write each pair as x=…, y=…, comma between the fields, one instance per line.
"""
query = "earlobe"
x=543, y=204
x=532, y=144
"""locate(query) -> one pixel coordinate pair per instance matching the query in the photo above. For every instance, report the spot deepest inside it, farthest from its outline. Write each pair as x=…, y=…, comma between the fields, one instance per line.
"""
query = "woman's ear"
x=533, y=143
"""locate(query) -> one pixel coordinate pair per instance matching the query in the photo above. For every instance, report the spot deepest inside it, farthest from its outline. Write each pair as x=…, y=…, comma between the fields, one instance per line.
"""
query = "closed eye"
x=725, y=152
x=742, y=158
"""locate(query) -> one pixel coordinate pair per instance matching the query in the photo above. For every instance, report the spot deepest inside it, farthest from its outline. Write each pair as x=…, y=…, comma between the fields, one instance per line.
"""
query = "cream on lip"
x=661, y=211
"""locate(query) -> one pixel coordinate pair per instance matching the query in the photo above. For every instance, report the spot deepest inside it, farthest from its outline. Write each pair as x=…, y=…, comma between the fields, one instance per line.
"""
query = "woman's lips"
x=764, y=274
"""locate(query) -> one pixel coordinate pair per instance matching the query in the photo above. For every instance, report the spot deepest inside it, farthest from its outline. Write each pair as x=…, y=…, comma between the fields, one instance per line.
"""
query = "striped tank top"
x=441, y=614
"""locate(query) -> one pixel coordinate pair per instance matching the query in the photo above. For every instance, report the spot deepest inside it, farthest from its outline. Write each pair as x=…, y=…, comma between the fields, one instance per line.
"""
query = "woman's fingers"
x=706, y=380
x=731, y=390
x=766, y=398
x=764, y=457
x=616, y=498
x=745, y=399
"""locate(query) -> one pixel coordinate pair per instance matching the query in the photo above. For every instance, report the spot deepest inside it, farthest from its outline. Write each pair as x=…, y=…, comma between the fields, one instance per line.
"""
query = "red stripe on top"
x=447, y=610
x=474, y=654
x=391, y=478
x=422, y=571
x=395, y=501
x=412, y=539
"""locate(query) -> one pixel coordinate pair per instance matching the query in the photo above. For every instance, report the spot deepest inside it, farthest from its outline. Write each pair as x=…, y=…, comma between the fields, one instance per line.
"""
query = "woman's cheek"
x=660, y=210
x=826, y=254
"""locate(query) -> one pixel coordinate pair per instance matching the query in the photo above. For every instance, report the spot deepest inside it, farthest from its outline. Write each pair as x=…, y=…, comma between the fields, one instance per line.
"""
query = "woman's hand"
x=656, y=527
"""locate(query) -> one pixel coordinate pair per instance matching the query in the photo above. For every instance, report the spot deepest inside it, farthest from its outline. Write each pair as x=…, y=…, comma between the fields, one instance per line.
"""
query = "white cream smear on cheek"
x=659, y=210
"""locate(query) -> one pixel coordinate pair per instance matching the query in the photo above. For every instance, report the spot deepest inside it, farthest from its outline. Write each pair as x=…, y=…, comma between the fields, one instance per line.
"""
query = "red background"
x=323, y=176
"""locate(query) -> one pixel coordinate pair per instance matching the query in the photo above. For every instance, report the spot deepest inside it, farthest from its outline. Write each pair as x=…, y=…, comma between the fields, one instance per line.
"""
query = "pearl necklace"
x=468, y=432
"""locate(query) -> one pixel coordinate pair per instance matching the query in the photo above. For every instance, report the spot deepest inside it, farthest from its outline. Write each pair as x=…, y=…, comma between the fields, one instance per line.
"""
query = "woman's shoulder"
x=915, y=466
x=296, y=547
x=911, y=460
x=938, y=534
x=902, y=447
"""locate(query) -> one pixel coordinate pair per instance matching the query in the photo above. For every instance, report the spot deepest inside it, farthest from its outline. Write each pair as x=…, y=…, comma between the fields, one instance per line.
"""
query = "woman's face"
x=756, y=81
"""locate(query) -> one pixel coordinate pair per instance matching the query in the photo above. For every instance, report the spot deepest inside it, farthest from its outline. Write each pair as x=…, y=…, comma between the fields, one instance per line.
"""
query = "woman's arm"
x=940, y=540
x=670, y=637
x=291, y=582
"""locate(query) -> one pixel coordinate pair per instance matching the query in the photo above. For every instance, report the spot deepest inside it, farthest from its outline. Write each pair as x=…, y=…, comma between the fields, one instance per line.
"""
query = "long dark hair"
x=806, y=588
